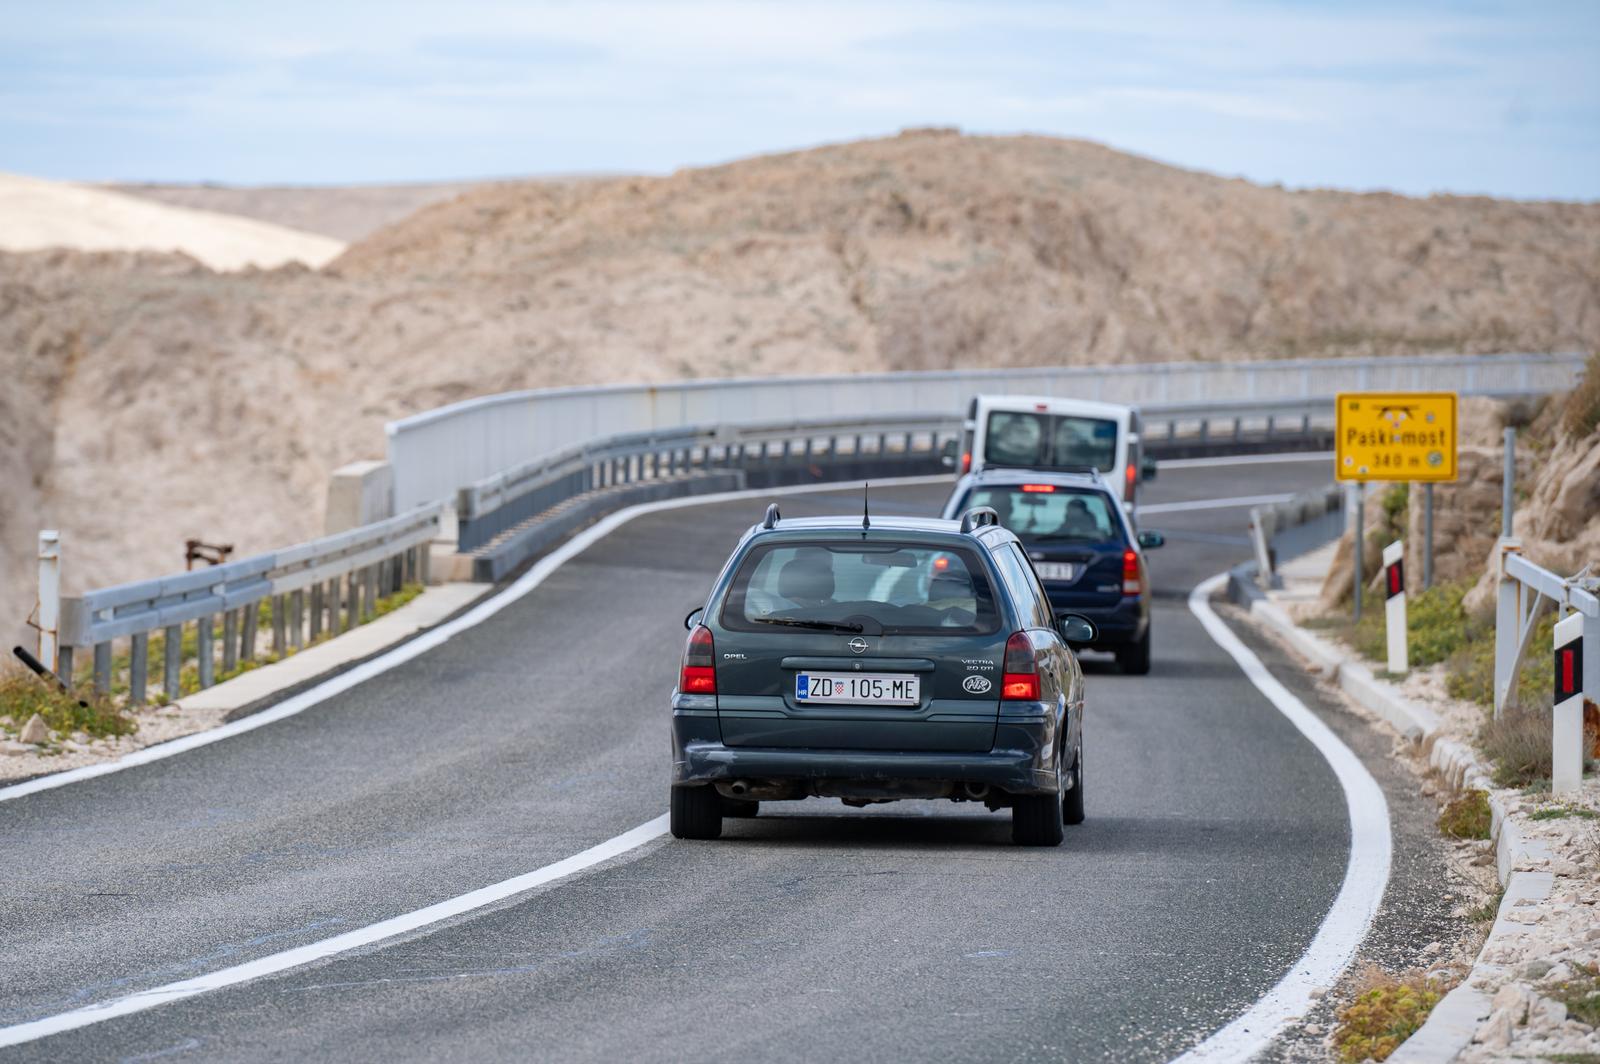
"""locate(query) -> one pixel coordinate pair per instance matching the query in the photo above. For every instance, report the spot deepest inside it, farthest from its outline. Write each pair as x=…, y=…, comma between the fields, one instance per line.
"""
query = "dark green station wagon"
x=873, y=660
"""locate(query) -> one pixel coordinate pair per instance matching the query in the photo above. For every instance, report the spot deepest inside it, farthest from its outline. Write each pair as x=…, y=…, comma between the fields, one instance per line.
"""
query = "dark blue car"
x=1082, y=546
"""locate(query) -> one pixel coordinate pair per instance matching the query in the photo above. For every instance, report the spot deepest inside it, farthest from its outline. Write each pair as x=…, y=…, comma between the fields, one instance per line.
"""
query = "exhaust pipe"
x=739, y=788
x=975, y=791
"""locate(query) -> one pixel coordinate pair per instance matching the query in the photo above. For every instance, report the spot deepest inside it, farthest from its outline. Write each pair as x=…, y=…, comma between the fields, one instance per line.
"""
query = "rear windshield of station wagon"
x=874, y=588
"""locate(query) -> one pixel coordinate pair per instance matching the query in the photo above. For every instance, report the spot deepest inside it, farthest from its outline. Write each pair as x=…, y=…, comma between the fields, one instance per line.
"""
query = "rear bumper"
x=1022, y=760
x=1118, y=625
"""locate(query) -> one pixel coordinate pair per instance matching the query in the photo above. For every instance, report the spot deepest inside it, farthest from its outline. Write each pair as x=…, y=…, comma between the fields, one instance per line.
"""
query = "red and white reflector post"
x=1394, y=606
x=1566, y=738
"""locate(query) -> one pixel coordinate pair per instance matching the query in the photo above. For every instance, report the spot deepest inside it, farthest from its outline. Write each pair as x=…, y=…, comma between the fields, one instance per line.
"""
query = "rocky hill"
x=149, y=398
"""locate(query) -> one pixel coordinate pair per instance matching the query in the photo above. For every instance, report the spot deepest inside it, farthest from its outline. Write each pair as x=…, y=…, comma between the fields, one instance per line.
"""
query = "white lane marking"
x=329, y=947
x=422, y=643
x=1365, y=879
x=1212, y=504
x=1245, y=459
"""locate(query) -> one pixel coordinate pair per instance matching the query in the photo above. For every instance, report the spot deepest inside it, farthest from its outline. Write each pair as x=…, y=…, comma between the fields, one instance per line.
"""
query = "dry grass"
x=1467, y=817
x=1519, y=745
x=1386, y=1011
x=1582, y=415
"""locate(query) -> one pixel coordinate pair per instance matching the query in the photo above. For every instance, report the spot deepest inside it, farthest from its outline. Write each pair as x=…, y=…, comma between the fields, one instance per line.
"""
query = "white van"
x=1039, y=432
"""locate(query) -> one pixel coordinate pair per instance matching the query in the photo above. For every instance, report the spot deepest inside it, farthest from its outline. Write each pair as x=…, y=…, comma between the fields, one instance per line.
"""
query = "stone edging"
x=1520, y=863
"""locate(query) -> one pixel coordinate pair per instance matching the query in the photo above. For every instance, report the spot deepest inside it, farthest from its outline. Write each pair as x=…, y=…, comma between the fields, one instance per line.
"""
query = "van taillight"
x=699, y=676
x=1130, y=573
x=966, y=462
x=1133, y=482
x=1019, y=681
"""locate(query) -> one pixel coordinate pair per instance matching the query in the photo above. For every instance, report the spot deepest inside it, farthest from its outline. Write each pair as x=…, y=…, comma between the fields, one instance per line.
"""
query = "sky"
x=1414, y=96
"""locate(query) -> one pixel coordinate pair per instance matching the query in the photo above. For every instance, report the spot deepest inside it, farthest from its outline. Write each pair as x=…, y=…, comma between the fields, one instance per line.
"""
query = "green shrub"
x=22, y=694
x=1385, y=1013
x=1581, y=995
x=1471, y=666
x=1468, y=817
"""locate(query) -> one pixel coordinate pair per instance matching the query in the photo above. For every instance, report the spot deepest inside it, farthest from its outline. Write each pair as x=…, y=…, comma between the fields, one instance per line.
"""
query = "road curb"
x=1520, y=863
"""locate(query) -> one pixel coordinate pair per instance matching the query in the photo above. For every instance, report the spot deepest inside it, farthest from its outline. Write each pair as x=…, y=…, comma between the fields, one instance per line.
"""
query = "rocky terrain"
x=149, y=397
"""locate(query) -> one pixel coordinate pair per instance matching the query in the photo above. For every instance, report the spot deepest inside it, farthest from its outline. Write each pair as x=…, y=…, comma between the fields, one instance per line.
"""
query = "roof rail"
x=771, y=520
x=979, y=516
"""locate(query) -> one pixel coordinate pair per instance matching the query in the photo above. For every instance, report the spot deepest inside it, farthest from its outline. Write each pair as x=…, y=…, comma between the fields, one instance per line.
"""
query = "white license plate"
x=1064, y=571
x=860, y=688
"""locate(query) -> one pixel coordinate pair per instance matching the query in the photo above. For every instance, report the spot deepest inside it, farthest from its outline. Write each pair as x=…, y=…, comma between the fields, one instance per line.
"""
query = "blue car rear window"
x=1051, y=513
x=885, y=587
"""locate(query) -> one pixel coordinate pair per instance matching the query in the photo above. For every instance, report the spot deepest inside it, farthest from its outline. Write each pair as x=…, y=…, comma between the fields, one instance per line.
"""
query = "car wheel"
x=696, y=813
x=1134, y=659
x=1072, y=801
x=740, y=807
x=1036, y=818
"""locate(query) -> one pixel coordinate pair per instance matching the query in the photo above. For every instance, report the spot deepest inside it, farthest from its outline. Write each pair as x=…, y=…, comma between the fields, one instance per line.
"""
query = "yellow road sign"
x=1395, y=436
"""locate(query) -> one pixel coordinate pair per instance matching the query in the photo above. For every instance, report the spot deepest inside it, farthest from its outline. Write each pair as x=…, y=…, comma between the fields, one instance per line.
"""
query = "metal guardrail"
x=1292, y=526
x=436, y=452
x=1525, y=591
x=828, y=449
x=344, y=574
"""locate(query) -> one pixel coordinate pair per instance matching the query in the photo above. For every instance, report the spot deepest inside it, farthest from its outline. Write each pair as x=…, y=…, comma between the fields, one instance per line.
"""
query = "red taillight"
x=1133, y=481
x=966, y=462
x=1130, y=573
x=699, y=676
x=1042, y=488
x=1019, y=681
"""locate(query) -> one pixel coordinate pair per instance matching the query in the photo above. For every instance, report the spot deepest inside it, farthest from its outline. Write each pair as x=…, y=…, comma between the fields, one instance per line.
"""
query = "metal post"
x=49, y=595
x=280, y=627
x=1508, y=500
x=369, y=593
x=424, y=562
x=102, y=668
x=171, y=672
x=297, y=619
x=1361, y=535
x=1507, y=624
x=1427, y=535
x=203, y=642
x=64, y=665
x=352, y=601
x=230, y=641
x=316, y=611
x=138, y=662
x=247, y=632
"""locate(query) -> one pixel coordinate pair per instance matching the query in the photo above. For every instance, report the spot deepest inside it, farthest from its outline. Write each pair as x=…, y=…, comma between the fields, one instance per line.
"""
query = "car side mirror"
x=1076, y=630
x=1151, y=540
x=1147, y=469
x=694, y=617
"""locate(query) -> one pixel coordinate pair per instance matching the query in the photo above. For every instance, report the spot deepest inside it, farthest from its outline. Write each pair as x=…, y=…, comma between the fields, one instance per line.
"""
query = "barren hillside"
x=37, y=214
x=148, y=398
x=348, y=212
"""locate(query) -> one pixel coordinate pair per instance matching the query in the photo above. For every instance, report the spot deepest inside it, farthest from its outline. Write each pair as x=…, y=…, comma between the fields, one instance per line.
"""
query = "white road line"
x=372, y=934
x=1212, y=504
x=422, y=643
x=1365, y=879
x=1245, y=459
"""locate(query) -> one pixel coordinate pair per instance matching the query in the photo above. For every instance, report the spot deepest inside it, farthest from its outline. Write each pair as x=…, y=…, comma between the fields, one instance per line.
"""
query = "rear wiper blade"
x=821, y=626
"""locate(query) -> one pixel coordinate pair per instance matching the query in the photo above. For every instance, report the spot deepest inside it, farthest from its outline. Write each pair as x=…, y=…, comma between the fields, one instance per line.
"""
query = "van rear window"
x=874, y=588
x=1050, y=441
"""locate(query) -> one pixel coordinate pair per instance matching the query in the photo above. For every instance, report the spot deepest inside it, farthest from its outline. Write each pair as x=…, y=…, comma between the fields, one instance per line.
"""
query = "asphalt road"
x=1216, y=840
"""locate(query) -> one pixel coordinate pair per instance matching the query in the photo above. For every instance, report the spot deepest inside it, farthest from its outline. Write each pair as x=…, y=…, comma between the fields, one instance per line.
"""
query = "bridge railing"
x=436, y=452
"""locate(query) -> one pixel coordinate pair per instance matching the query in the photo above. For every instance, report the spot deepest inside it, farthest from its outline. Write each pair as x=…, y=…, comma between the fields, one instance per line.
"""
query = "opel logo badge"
x=858, y=645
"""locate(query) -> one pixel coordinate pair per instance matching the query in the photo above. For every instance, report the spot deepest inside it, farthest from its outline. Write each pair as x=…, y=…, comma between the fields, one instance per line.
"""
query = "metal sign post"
x=1361, y=536
x=1566, y=738
x=1394, y=607
x=1427, y=535
x=49, y=596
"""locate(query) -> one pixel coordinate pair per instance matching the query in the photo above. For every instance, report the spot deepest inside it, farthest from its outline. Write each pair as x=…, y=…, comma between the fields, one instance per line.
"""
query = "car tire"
x=1072, y=801
x=695, y=813
x=1134, y=659
x=1036, y=818
x=740, y=808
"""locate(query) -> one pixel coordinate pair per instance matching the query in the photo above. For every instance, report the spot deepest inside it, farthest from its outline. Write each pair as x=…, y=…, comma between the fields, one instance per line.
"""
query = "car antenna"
x=866, y=489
